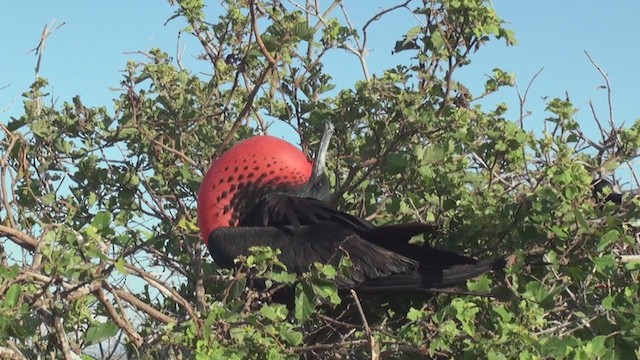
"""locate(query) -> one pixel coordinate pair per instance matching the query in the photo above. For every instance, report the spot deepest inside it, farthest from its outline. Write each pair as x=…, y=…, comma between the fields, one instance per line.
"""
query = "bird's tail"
x=459, y=274
x=434, y=277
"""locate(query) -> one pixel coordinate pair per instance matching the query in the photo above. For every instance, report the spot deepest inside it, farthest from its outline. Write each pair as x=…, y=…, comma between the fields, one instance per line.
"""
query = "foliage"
x=101, y=256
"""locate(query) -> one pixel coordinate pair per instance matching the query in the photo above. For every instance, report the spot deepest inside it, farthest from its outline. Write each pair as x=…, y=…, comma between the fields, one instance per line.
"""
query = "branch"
x=202, y=36
x=377, y=17
x=23, y=240
x=522, y=98
x=142, y=306
x=360, y=51
x=245, y=110
x=121, y=321
x=61, y=334
x=606, y=80
x=180, y=154
x=39, y=49
x=254, y=24
x=166, y=290
x=375, y=347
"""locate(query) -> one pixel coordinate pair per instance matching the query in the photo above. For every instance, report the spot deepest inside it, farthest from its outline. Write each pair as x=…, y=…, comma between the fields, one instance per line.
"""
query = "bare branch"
x=522, y=98
x=39, y=49
x=606, y=79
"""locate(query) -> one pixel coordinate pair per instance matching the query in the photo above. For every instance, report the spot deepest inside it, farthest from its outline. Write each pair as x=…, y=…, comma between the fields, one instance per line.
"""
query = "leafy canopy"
x=100, y=255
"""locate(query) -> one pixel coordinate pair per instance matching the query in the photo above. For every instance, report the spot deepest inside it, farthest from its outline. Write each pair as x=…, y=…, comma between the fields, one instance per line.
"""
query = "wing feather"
x=374, y=267
x=284, y=210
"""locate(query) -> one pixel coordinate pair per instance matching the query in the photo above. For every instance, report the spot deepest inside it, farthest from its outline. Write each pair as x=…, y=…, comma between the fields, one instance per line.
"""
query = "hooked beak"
x=320, y=163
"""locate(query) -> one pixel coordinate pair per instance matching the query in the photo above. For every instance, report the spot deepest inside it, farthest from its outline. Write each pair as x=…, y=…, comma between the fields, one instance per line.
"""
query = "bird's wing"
x=300, y=249
x=396, y=238
x=283, y=210
x=374, y=267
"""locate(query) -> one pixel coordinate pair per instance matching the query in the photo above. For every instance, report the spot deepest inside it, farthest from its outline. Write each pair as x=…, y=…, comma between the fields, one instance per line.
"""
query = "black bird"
x=265, y=192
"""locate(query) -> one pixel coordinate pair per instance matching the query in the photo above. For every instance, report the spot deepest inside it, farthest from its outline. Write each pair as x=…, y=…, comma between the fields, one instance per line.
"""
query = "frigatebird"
x=265, y=192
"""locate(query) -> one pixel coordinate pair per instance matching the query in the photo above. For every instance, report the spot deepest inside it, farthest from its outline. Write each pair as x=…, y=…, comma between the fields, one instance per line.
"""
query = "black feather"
x=382, y=258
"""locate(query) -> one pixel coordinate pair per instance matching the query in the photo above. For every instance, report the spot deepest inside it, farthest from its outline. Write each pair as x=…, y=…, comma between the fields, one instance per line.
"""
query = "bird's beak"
x=320, y=163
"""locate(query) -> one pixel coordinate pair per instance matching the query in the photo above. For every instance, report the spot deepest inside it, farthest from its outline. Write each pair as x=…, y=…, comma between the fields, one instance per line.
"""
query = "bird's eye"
x=319, y=184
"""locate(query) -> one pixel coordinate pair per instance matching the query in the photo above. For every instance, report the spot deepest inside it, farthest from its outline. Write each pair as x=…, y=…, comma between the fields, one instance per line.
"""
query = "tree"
x=101, y=257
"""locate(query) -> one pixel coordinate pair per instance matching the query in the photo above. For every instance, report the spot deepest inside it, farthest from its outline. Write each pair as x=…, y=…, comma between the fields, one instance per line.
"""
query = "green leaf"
x=102, y=220
x=581, y=220
x=275, y=312
x=415, y=314
x=492, y=355
x=237, y=287
x=302, y=31
x=605, y=264
x=95, y=253
x=611, y=165
x=304, y=302
x=449, y=204
x=632, y=265
x=395, y=163
x=608, y=302
x=608, y=239
x=327, y=290
x=184, y=224
x=433, y=154
x=437, y=41
x=329, y=271
x=505, y=315
x=16, y=124
x=292, y=336
x=101, y=332
x=272, y=43
x=559, y=232
x=49, y=198
x=596, y=347
x=282, y=277
x=120, y=266
x=554, y=347
x=480, y=284
x=128, y=132
x=13, y=295
x=412, y=34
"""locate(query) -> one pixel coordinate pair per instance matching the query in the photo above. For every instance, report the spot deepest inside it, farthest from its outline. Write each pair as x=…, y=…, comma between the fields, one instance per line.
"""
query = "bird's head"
x=253, y=168
x=318, y=186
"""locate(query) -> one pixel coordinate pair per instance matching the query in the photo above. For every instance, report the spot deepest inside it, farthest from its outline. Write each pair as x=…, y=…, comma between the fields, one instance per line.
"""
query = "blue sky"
x=86, y=55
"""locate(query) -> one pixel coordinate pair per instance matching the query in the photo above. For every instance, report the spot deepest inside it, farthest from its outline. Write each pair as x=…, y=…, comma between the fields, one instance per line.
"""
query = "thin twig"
x=378, y=16
x=245, y=110
x=606, y=80
x=375, y=348
x=39, y=49
x=523, y=97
